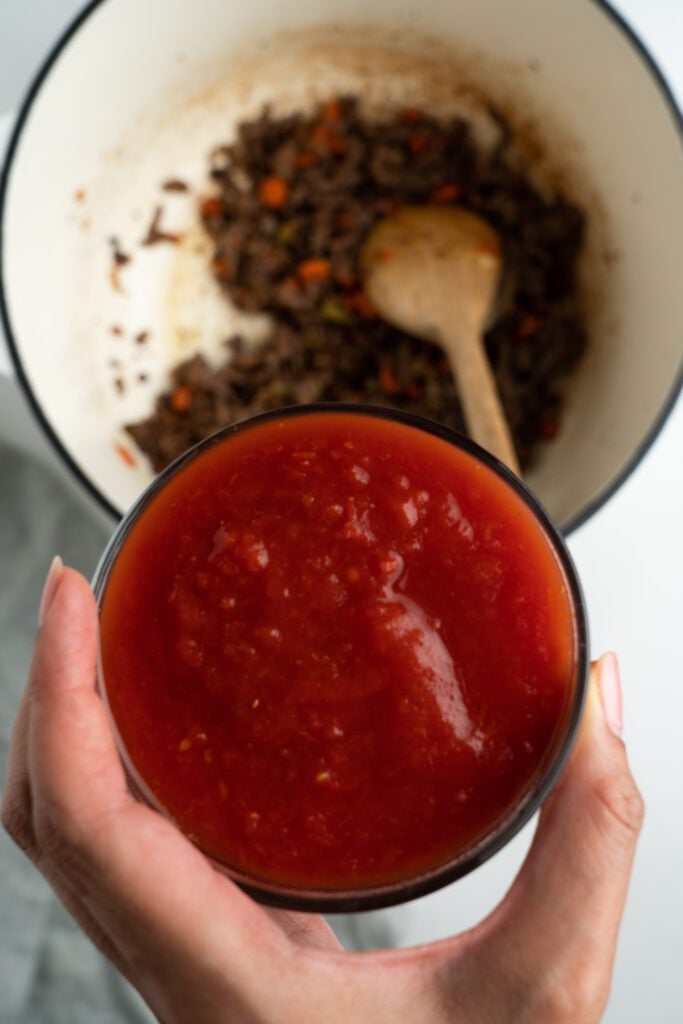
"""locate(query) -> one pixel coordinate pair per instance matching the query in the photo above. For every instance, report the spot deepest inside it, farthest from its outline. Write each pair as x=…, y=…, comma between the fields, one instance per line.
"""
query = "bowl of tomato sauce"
x=344, y=650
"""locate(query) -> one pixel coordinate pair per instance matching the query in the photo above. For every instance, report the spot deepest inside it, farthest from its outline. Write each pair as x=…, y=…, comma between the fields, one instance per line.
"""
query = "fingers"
x=580, y=861
x=561, y=917
x=17, y=797
x=76, y=775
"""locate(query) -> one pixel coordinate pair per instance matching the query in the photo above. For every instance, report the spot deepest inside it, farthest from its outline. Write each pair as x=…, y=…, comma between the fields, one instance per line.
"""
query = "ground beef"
x=294, y=201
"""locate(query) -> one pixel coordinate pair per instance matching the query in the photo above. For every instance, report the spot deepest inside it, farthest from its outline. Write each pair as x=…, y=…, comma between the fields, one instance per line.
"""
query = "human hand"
x=199, y=950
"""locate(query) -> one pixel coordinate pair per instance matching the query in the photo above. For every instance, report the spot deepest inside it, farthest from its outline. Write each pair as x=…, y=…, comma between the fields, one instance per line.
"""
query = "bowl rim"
x=40, y=78
x=387, y=894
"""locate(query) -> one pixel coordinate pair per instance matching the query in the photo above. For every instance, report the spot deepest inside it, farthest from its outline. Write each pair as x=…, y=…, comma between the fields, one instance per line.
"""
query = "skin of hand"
x=201, y=951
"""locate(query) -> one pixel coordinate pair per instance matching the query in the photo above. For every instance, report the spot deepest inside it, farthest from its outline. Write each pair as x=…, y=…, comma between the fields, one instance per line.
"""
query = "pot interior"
x=141, y=93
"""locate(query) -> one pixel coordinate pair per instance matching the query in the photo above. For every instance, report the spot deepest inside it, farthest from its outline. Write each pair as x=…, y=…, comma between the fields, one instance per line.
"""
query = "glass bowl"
x=506, y=827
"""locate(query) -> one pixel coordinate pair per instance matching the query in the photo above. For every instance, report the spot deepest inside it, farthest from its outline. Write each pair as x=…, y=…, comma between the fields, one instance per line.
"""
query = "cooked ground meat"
x=294, y=201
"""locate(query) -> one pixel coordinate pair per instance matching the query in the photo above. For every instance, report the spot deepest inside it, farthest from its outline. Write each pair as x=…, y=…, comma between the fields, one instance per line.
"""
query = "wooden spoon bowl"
x=435, y=272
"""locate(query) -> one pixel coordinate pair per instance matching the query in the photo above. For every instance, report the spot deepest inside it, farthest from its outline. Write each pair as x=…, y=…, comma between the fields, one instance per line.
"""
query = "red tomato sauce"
x=337, y=650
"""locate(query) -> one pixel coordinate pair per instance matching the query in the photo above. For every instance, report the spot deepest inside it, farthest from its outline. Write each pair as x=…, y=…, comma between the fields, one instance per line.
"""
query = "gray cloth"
x=49, y=971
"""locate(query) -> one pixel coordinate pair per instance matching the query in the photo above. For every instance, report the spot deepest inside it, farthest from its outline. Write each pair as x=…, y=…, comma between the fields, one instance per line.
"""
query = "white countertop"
x=630, y=559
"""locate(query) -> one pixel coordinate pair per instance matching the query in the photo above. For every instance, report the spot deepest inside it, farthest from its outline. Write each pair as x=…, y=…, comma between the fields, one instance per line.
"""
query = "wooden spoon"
x=435, y=272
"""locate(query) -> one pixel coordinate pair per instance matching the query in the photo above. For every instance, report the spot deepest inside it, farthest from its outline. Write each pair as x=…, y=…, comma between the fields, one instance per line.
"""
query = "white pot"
x=135, y=93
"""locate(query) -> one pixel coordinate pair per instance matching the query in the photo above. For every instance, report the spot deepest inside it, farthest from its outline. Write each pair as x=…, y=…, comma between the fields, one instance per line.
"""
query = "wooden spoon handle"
x=479, y=396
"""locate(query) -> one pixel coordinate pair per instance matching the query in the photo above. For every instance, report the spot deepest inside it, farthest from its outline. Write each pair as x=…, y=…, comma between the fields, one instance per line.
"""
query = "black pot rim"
x=577, y=520
x=372, y=898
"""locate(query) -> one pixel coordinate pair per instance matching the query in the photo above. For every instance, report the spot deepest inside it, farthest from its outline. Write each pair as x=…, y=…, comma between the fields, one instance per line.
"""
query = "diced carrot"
x=314, y=270
x=305, y=159
x=326, y=139
x=360, y=303
x=528, y=326
x=125, y=455
x=344, y=220
x=347, y=279
x=211, y=206
x=388, y=381
x=337, y=145
x=332, y=111
x=446, y=193
x=290, y=284
x=181, y=399
x=222, y=268
x=384, y=254
x=409, y=115
x=418, y=143
x=274, y=191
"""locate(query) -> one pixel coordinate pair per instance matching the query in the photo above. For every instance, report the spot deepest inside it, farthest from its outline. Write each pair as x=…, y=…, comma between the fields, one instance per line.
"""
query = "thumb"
x=561, y=917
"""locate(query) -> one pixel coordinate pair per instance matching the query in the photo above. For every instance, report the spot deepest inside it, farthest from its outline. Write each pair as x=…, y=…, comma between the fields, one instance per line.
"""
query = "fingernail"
x=50, y=587
x=610, y=692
